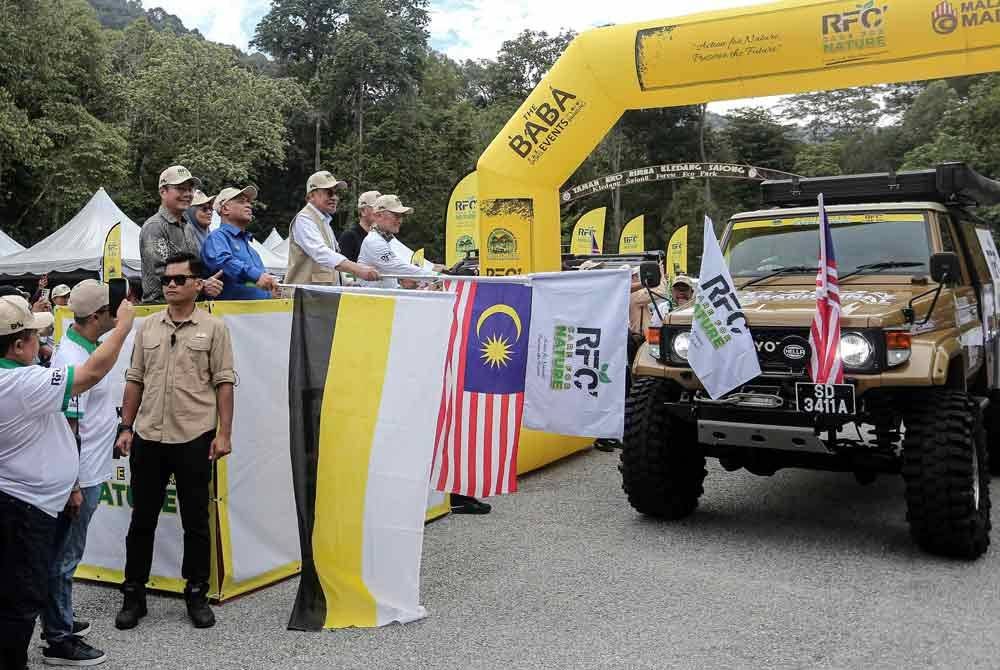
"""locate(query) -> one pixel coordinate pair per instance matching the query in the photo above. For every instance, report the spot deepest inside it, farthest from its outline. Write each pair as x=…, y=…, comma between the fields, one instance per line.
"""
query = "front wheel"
x=946, y=470
x=662, y=466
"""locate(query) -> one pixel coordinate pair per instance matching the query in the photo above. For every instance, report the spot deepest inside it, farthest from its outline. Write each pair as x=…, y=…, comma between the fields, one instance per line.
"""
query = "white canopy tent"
x=274, y=239
x=8, y=245
x=79, y=245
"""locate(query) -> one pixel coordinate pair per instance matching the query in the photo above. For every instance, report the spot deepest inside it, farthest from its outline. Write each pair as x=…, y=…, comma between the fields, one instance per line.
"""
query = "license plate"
x=825, y=399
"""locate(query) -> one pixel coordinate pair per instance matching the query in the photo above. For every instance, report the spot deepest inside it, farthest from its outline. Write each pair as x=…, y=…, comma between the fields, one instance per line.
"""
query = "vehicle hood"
x=862, y=305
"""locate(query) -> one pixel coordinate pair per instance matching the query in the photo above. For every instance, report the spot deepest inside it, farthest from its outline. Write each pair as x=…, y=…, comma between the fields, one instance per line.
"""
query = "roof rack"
x=953, y=184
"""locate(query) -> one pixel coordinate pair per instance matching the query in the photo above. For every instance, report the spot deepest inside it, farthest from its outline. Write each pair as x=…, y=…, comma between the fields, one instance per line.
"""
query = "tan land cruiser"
x=920, y=290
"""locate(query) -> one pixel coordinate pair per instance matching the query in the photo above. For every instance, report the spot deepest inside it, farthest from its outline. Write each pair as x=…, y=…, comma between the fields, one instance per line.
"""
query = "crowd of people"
x=60, y=425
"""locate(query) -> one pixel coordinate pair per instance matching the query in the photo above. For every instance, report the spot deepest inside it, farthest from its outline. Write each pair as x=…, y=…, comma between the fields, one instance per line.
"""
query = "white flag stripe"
x=495, y=466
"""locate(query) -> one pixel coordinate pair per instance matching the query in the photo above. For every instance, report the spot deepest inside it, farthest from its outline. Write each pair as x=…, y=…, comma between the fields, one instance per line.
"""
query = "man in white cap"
x=164, y=235
x=93, y=418
x=375, y=250
x=351, y=239
x=681, y=291
x=199, y=218
x=313, y=253
x=228, y=250
x=39, y=462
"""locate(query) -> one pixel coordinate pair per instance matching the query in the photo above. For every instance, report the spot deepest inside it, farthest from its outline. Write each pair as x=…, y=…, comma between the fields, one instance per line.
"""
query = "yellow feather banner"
x=111, y=261
x=588, y=230
x=677, y=253
x=633, y=237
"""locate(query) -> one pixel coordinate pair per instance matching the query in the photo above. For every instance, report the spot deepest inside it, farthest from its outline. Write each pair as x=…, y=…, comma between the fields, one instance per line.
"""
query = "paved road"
x=802, y=570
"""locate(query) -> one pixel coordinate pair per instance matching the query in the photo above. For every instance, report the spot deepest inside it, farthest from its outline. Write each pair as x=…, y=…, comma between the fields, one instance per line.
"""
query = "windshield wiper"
x=885, y=265
x=794, y=269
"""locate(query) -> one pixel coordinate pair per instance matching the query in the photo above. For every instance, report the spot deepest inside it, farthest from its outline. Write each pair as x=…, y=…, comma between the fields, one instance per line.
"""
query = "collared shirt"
x=179, y=366
x=228, y=249
x=350, y=241
x=162, y=236
x=95, y=412
x=194, y=230
x=308, y=236
x=376, y=252
x=38, y=457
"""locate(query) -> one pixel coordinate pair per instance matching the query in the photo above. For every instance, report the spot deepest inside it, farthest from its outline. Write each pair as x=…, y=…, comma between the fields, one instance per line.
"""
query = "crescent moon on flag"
x=500, y=309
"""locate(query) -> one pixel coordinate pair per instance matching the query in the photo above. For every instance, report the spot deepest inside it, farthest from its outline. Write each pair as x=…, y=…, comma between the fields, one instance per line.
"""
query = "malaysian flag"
x=826, y=366
x=479, y=420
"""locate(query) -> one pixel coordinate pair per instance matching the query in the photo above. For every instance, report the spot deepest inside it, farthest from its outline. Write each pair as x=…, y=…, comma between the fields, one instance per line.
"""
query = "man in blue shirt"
x=228, y=249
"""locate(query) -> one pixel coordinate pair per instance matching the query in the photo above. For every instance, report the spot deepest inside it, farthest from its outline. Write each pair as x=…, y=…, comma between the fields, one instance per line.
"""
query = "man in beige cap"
x=164, y=234
x=681, y=291
x=375, y=250
x=39, y=461
x=93, y=418
x=59, y=296
x=313, y=253
x=199, y=218
x=228, y=250
x=351, y=239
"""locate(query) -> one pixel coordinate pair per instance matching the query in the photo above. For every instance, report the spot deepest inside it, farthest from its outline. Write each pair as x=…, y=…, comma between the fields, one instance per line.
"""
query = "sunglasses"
x=180, y=280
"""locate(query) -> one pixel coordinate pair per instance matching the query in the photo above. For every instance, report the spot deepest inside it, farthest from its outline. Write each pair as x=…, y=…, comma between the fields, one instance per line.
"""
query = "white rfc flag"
x=578, y=353
x=722, y=352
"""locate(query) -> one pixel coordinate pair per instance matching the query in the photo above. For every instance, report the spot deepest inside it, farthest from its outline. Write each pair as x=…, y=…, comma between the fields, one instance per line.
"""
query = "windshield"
x=761, y=246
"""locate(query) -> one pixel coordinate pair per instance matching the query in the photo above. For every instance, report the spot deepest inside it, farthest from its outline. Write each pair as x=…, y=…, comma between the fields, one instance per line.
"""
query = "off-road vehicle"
x=919, y=279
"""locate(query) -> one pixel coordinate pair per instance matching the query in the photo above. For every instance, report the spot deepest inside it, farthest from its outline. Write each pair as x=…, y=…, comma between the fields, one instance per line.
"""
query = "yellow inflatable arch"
x=785, y=47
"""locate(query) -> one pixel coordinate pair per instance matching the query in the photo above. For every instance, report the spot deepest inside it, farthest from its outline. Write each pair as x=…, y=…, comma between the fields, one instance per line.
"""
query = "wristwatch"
x=123, y=427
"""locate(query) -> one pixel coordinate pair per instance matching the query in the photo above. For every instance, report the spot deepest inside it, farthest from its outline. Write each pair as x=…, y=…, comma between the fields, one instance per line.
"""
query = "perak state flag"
x=479, y=415
x=722, y=352
x=578, y=353
x=364, y=382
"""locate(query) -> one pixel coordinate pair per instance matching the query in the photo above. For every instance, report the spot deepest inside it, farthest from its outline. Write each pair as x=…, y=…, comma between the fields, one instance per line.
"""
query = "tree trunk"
x=319, y=141
x=616, y=195
x=704, y=157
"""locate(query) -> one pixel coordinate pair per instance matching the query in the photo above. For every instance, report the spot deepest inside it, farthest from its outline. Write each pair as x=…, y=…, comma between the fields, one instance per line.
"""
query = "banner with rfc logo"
x=577, y=354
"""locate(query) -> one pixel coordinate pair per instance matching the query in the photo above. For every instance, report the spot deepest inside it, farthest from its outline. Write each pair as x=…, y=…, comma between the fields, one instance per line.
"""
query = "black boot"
x=134, y=607
x=196, y=596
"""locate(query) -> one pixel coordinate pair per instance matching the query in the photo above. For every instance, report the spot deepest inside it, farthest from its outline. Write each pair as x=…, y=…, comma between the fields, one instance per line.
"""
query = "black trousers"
x=152, y=464
x=27, y=536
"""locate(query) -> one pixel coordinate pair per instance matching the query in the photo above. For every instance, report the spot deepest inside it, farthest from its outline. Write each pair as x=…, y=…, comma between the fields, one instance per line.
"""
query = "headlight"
x=680, y=345
x=856, y=351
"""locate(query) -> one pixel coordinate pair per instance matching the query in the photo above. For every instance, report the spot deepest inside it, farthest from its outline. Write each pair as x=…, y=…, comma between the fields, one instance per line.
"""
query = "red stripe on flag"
x=459, y=449
x=488, y=439
x=502, y=464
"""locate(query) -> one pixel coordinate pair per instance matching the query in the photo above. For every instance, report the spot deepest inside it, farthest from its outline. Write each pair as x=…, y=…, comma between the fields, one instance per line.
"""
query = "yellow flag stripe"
x=359, y=353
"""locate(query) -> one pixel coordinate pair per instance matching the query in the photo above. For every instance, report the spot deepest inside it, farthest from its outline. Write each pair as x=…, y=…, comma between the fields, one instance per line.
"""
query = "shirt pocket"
x=195, y=363
x=152, y=357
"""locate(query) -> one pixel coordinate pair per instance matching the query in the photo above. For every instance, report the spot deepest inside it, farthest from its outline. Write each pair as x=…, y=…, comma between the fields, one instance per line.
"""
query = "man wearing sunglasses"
x=313, y=254
x=227, y=249
x=93, y=418
x=165, y=234
x=177, y=419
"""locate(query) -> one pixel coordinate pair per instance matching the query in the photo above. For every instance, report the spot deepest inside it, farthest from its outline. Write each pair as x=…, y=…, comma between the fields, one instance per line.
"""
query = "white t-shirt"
x=38, y=457
x=376, y=252
x=95, y=410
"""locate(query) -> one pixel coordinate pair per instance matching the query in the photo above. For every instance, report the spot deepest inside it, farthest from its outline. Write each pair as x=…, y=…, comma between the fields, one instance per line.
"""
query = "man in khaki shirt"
x=179, y=388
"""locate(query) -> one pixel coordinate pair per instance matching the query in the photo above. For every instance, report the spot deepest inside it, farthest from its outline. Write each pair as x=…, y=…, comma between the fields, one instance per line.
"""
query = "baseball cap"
x=391, y=203
x=683, y=280
x=368, y=198
x=59, y=291
x=323, y=179
x=89, y=296
x=200, y=198
x=16, y=315
x=177, y=174
x=591, y=265
x=227, y=194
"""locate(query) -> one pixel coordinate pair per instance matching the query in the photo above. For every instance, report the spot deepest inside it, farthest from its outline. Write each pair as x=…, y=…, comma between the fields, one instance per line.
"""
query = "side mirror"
x=117, y=292
x=945, y=267
x=649, y=274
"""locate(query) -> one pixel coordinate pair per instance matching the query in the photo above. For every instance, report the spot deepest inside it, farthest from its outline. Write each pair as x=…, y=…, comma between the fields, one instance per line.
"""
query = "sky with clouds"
x=457, y=26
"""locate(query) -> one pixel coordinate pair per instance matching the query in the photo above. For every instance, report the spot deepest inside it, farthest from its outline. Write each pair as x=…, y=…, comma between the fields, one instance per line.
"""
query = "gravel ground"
x=801, y=570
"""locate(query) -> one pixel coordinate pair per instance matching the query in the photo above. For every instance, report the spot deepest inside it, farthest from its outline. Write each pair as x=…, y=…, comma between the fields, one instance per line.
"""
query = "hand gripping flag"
x=722, y=352
x=479, y=419
x=825, y=366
